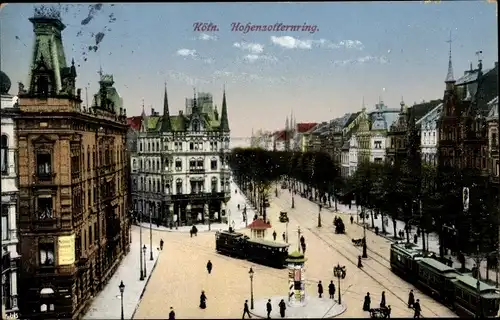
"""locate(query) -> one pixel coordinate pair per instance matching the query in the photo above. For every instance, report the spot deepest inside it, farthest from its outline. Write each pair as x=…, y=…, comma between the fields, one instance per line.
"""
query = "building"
x=353, y=155
x=263, y=140
x=73, y=221
x=429, y=134
x=346, y=132
x=10, y=256
x=179, y=170
x=494, y=164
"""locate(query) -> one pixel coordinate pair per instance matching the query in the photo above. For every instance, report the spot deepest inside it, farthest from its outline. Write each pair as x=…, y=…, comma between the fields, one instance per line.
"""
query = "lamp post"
x=365, y=255
x=140, y=245
x=339, y=272
x=319, y=216
x=122, y=288
x=144, y=255
x=293, y=201
x=150, y=234
x=250, y=273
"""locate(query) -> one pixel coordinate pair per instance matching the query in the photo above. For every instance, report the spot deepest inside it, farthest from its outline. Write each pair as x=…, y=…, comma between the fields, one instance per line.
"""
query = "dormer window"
x=196, y=125
x=42, y=85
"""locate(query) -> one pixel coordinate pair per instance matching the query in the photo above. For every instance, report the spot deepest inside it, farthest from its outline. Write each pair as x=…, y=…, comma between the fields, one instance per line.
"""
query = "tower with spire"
x=166, y=125
x=224, y=121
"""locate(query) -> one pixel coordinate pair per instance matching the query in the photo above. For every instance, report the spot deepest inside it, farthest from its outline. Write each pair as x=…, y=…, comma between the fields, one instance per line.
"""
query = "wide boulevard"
x=181, y=274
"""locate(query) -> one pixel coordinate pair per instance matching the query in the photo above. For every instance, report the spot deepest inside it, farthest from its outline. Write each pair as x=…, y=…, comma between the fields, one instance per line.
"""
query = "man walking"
x=209, y=267
x=246, y=310
x=417, y=309
x=171, y=314
x=161, y=244
x=284, y=236
x=282, y=306
x=320, y=288
x=274, y=235
x=331, y=289
x=269, y=308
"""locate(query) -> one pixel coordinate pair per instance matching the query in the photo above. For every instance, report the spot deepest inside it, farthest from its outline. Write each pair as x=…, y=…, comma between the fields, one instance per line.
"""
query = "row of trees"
x=421, y=196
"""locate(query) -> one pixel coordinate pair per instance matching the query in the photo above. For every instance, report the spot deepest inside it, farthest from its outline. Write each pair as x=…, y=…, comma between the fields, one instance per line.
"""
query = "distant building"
x=180, y=173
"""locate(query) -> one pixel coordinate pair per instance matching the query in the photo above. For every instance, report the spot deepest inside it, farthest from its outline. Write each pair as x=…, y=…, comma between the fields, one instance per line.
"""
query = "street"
x=180, y=274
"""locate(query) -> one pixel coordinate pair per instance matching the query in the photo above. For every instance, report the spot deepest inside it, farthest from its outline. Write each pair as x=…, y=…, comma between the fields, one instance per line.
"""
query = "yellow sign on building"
x=66, y=250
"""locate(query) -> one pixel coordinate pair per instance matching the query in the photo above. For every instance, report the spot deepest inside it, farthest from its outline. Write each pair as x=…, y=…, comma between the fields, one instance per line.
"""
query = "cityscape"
x=249, y=157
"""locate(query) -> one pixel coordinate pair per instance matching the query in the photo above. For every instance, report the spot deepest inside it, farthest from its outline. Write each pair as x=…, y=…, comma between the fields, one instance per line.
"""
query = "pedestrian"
x=282, y=306
x=415, y=238
x=417, y=309
x=352, y=220
x=209, y=267
x=269, y=308
x=274, y=235
x=203, y=300
x=284, y=236
x=171, y=314
x=411, y=299
x=161, y=244
x=367, y=302
x=382, y=300
x=331, y=289
x=320, y=289
x=246, y=310
x=302, y=240
x=303, y=248
x=360, y=264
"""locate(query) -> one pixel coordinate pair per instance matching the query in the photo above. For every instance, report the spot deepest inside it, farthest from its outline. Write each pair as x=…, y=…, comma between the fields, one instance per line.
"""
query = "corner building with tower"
x=180, y=173
x=73, y=223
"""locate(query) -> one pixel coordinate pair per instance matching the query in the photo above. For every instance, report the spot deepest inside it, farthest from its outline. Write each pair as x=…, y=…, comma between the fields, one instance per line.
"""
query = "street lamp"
x=144, y=255
x=150, y=234
x=293, y=202
x=122, y=288
x=140, y=246
x=319, y=216
x=365, y=255
x=250, y=273
x=339, y=272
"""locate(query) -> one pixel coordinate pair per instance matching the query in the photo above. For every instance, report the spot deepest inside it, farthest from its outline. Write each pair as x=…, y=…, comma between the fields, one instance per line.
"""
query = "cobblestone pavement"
x=181, y=275
x=376, y=267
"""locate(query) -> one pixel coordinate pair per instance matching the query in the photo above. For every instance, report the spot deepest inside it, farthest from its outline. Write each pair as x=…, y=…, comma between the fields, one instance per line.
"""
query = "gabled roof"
x=421, y=109
x=351, y=118
x=305, y=126
x=280, y=135
x=134, y=122
x=493, y=106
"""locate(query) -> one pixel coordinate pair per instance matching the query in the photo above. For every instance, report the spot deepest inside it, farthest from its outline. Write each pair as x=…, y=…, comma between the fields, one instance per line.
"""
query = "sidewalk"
x=106, y=305
x=432, y=240
x=234, y=215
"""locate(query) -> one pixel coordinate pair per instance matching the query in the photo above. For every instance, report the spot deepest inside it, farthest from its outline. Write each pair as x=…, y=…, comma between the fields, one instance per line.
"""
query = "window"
x=42, y=85
x=158, y=186
x=196, y=126
x=5, y=154
x=140, y=147
x=214, y=184
x=167, y=188
x=213, y=164
x=178, y=164
x=153, y=165
x=199, y=164
x=157, y=146
x=178, y=186
x=44, y=206
x=134, y=164
x=46, y=254
x=149, y=146
x=154, y=186
x=149, y=185
x=44, y=164
x=494, y=141
x=158, y=165
x=192, y=164
x=191, y=146
x=5, y=222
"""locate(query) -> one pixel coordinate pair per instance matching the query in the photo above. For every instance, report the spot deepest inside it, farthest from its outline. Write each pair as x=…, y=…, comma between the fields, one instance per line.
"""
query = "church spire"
x=449, y=75
x=224, y=123
x=166, y=125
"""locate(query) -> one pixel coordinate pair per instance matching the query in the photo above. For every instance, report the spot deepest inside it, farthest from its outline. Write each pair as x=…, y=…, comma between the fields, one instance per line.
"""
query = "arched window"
x=158, y=164
x=157, y=146
x=149, y=185
x=153, y=165
x=142, y=184
x=167, y=187
x=147, y=164
x=213, y=164
x=154, y=186
x=140, y=164
x=140, y=146
x=5, y=154
x=134, y=164
x=158, y=186
x=149, y=146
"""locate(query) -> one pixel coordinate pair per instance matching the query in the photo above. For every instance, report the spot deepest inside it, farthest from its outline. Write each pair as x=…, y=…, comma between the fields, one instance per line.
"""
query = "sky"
x=338, y=55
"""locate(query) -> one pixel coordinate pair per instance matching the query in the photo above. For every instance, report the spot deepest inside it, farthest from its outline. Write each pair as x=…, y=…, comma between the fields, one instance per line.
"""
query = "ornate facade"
x=10, y=256
x=180, y=174
x=73, y=221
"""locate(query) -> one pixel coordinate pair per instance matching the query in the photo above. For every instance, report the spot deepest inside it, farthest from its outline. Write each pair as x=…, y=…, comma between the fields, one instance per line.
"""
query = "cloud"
x=289, y=42
x=207, y=37
x=247, y=77
x=189, y=80
x=254, y=48
x=361, y=60
x=186, y=52
x=255, y=57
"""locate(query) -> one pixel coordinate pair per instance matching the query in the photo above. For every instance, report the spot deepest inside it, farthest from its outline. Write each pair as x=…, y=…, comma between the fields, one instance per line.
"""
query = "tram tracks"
x=354, y=262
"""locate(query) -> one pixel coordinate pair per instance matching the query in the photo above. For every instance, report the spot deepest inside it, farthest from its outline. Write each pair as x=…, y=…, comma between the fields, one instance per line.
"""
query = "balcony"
x=44, y=178
x=196, y=170
x=45, y=221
